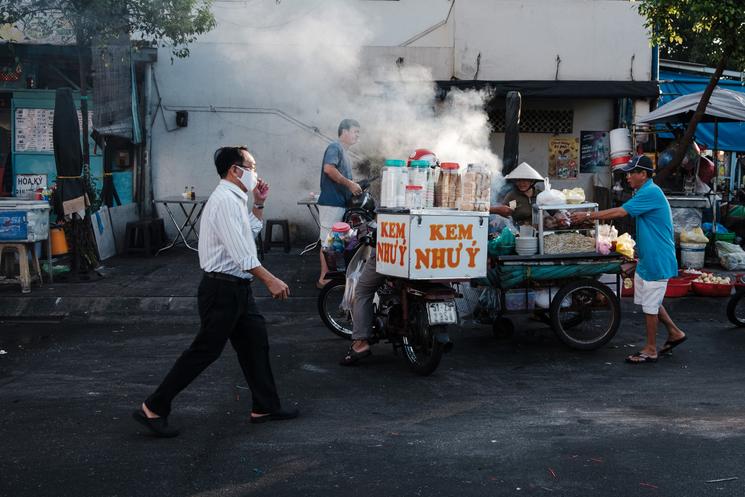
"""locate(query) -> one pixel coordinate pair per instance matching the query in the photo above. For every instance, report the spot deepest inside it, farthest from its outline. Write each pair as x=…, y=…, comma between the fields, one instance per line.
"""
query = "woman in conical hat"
x=518, y=203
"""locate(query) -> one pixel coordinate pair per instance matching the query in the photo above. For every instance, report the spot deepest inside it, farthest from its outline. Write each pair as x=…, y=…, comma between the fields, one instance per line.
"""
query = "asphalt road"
x=523, y=417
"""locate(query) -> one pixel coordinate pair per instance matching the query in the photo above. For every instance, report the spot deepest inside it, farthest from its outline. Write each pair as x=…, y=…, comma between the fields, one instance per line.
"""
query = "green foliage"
x=174, y=23
x=704, y=31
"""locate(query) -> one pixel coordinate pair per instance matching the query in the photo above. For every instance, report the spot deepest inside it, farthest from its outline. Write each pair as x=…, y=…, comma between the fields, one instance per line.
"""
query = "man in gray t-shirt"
x=336, y=185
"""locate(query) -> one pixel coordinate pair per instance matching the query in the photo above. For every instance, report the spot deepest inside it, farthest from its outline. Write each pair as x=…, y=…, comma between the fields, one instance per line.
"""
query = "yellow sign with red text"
x=432, y=246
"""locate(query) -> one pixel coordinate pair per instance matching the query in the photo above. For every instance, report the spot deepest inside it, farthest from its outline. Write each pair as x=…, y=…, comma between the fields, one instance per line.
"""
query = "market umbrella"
x=724, y=106
x=68, y=156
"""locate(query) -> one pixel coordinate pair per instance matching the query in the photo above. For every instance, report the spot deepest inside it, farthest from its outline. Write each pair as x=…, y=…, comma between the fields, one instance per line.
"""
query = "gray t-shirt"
x=333, y=193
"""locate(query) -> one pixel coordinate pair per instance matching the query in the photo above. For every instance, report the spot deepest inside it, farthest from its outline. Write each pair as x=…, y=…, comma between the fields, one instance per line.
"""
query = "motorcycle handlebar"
x=365, y=183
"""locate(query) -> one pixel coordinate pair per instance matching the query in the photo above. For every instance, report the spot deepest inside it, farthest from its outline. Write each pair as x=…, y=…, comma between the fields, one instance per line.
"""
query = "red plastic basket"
x=712, y=289
x=677, y=287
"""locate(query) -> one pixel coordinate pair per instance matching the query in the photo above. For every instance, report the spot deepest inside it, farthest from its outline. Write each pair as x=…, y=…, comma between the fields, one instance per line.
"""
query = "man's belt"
x=228, y=277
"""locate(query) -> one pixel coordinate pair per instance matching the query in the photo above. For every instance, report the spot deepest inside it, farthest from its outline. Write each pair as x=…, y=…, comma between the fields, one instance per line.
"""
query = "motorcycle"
x=411, y=315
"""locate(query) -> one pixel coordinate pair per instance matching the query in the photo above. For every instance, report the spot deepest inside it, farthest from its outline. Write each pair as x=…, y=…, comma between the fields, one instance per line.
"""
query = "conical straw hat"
x=524, y=171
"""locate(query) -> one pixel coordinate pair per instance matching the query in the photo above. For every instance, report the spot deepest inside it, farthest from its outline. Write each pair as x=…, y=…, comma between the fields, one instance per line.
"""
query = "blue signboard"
x=13, y=226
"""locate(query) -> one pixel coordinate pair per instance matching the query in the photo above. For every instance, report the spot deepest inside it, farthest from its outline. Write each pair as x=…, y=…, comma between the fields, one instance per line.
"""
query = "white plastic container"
x=692, y=255
x=414, y=197
x=24, y=220
x=418, y=173
x=403, y=182
x=390, y=181
x=431, y=182
x=620, y=142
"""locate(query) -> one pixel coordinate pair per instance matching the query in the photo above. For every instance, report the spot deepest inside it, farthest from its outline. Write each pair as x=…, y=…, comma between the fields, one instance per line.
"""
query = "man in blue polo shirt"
x=655, y=244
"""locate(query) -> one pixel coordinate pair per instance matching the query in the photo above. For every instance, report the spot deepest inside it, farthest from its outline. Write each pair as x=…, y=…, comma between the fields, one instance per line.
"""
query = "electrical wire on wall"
x=308, y=128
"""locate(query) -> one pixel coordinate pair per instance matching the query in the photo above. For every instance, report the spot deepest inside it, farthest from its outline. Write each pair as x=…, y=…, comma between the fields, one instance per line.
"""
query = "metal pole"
x=147, y=208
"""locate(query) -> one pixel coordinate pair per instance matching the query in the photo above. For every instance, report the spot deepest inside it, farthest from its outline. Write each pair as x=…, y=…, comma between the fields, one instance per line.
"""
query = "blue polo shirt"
x=655, y=241
x=333, y=193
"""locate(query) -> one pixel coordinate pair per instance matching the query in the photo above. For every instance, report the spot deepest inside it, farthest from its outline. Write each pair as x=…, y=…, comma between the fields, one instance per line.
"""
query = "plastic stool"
x=145, y=236
x=284, y=224
x=24, y=275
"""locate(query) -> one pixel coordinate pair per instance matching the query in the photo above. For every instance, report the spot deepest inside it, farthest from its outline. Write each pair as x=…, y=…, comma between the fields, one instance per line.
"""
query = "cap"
x=638, y=162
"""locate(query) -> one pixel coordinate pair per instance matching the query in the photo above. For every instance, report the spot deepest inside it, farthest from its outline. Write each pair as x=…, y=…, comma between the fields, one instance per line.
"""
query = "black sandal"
x=353, y=356
x=640, y=358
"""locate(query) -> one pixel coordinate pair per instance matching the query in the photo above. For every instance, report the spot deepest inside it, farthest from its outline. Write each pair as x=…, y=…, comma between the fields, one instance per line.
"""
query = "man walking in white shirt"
x=227, y=310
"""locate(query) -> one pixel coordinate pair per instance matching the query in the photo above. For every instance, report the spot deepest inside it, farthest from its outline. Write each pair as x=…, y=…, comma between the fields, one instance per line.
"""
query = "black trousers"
x=227, y=311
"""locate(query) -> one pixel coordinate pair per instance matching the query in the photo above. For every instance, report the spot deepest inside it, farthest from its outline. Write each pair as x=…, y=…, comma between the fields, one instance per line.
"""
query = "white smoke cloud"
x=305, y=58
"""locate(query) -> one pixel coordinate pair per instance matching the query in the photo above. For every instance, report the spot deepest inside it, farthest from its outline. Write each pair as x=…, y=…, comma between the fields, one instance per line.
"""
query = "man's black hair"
x=225, y=157
x=347, y=124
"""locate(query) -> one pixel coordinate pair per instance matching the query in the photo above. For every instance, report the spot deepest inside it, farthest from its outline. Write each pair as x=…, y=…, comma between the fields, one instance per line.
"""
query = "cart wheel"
x=503, y=328
x=585, y=314
x=736, y=308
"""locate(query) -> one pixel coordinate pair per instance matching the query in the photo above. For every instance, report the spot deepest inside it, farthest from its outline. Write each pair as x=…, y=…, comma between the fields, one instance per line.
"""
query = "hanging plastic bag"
x=625, y=245
x=549, y=196
x=354, y=270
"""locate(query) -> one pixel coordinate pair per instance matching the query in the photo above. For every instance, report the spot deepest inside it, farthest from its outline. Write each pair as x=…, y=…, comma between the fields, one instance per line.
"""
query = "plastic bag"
x=574, y=196
x=504, y=244
x=695, y=235
x=731, y=256
x=625, y=245
x=549, y=196
x=354, y=270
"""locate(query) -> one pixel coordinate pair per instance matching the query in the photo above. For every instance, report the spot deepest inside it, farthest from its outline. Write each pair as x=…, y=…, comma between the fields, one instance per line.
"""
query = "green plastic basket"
x=723, y=237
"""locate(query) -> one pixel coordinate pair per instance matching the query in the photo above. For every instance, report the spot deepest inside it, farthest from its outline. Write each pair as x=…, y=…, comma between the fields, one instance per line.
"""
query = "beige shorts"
x=649, y=294
x=327, y=216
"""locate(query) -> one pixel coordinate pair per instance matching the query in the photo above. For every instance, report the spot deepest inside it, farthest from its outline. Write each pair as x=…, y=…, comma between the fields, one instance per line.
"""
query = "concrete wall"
x=520, y=39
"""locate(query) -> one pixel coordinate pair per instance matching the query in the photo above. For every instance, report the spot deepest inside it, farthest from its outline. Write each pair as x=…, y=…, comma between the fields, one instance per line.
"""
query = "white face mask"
x=249, y=179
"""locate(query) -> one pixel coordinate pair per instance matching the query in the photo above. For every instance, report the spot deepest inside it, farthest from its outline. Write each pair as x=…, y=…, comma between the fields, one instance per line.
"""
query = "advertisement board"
x=429, y=246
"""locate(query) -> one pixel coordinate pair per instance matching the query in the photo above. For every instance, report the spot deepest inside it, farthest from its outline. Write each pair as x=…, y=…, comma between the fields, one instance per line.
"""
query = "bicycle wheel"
x=585, y=314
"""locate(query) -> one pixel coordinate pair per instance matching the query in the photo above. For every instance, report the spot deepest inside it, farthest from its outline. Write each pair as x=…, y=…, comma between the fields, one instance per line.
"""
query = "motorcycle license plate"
x=442, y=313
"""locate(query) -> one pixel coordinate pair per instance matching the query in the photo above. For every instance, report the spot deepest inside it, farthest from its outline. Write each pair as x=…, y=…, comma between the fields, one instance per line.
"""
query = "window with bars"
x=536, y=121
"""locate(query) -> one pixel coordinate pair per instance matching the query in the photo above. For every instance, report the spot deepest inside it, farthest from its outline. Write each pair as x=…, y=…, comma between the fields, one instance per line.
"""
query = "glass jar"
x=414, y=197
x=449, y=183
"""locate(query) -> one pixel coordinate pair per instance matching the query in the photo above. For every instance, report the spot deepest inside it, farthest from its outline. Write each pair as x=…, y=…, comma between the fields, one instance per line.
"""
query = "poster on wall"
x=563, y=152
x=33, y=129
x=27, y=184
x=594, y=151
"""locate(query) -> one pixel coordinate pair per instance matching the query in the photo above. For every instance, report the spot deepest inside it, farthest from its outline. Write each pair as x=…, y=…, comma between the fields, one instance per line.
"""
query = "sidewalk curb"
x=118, y=309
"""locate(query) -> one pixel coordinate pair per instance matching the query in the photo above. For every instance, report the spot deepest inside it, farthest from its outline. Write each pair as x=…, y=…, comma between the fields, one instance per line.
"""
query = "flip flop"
x=671, y=344
x=640, y=358
x=353, y=357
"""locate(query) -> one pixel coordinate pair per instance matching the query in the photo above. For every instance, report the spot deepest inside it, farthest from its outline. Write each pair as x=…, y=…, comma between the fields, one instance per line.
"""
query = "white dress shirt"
x=227, y=231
